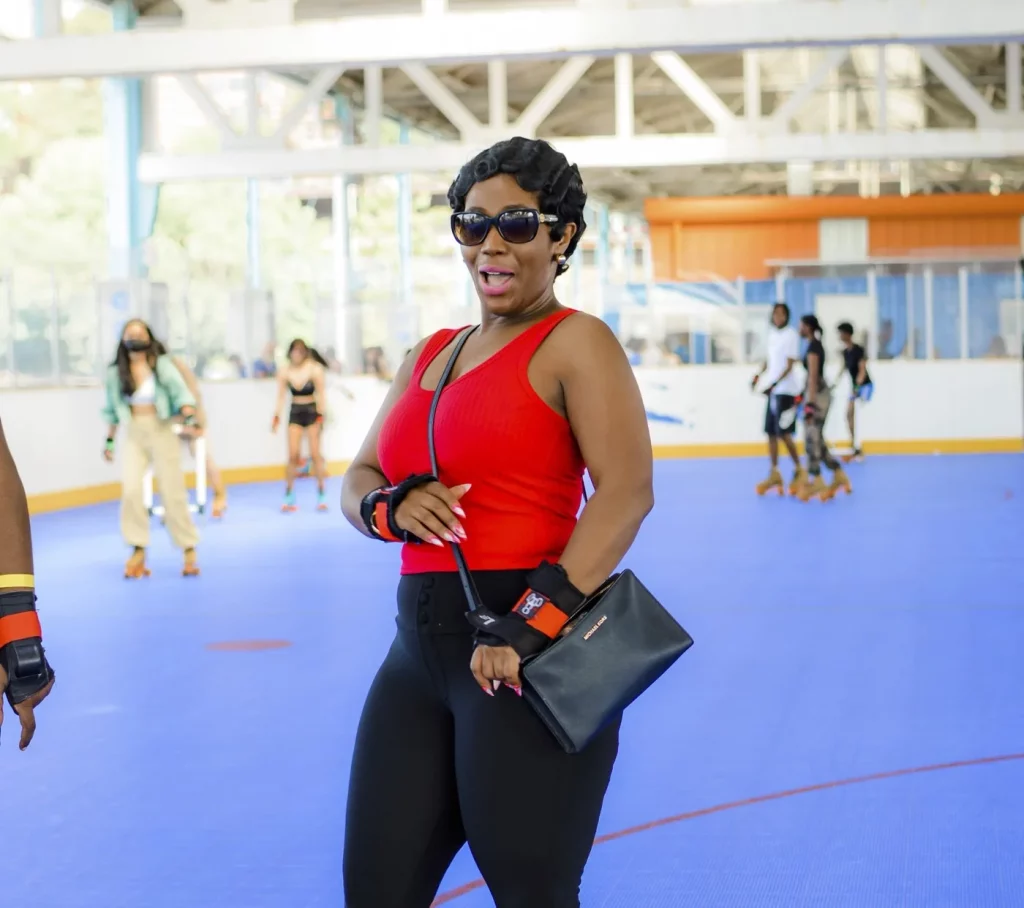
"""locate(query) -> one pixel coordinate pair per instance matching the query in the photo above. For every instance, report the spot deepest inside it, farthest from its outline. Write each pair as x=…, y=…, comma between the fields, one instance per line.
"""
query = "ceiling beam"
x=605, y=152
x=464, y=37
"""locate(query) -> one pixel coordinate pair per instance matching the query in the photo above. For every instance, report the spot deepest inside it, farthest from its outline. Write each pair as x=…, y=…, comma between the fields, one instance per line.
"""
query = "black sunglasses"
x=517, y=225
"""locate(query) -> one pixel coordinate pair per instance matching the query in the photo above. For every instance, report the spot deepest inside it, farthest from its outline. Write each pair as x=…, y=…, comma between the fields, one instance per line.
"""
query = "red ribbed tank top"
x=493, y=430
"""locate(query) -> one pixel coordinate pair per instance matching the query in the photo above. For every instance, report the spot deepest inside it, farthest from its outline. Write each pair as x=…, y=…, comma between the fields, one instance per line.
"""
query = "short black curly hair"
x=536, y=167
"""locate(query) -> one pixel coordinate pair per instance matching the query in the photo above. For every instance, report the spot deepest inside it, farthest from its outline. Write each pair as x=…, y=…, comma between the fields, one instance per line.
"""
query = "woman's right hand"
x=431, y=512
x=108, y=454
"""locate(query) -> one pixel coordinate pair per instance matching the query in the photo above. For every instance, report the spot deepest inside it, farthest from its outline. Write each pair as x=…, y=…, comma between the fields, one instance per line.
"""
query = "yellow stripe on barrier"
x=76, y=498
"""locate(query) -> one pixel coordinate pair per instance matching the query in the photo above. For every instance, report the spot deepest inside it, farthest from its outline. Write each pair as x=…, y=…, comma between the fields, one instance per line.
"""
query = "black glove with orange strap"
x=21, y=646
x=378, y=508
x=537, y=618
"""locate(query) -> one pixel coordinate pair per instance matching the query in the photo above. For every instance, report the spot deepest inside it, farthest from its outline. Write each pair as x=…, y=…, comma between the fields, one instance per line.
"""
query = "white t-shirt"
x=783, y=345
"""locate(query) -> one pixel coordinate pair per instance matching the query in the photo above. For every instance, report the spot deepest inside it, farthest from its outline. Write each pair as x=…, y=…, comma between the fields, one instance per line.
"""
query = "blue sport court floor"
x=848, y=729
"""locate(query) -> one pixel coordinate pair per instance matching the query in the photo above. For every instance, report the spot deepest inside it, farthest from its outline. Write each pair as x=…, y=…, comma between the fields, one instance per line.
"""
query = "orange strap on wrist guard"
x=18, y=617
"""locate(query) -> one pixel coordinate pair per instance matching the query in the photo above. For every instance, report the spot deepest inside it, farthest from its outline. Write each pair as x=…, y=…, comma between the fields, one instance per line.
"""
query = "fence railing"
x=63, y=329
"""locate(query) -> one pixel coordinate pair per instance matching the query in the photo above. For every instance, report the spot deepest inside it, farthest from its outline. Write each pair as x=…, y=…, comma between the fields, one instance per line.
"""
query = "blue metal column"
x=131, y=207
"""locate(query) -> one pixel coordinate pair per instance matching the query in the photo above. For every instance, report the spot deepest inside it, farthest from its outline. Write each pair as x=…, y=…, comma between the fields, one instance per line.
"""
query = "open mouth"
x=495, y=280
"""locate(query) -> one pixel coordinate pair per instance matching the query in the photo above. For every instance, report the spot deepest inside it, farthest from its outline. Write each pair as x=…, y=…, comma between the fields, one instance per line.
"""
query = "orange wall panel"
x=662, y=250
x=763, y=209
x=914, y=236
x=734, y=236
x=729, y=250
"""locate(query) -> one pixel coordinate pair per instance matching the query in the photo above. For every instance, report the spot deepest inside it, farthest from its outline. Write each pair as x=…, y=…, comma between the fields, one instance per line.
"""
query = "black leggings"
x=438, y=762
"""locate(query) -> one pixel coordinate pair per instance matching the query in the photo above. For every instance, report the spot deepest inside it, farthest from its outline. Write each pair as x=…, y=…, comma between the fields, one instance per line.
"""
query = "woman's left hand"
x=495, y=664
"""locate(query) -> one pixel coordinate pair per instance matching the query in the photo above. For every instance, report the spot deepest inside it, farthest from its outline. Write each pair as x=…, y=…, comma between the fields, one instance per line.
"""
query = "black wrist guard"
x=21, y=647
x=378, y=509
x=537, y=618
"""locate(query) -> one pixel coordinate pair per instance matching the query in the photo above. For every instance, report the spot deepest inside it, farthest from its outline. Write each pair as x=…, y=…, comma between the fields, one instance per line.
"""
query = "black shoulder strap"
x=468, y=586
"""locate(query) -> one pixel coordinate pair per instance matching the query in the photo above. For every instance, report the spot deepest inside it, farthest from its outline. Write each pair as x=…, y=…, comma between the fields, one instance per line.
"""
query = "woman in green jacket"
x=146, y=393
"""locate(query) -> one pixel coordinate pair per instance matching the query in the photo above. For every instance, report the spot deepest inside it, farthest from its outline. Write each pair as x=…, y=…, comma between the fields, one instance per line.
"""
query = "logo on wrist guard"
x=530, y=604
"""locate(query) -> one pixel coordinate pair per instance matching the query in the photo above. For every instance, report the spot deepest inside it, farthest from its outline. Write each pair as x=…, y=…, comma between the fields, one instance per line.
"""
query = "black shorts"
x=302, y=415
x=780, y=415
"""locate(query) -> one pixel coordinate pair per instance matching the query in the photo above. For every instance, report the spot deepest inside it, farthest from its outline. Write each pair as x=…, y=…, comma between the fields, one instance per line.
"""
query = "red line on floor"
x=465, y=889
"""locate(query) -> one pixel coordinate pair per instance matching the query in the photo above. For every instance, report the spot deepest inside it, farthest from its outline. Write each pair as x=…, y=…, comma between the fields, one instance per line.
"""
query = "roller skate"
x=813, y=487
x=191, y=567
x=798, y=482
x=855, y=456
x=840, y=482
x=774, y=481
x=135, y=566
x=289, y=503
x=321, y=501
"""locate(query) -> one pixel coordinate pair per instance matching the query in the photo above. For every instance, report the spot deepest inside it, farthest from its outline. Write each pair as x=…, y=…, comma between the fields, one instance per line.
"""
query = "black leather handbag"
x=619, y=642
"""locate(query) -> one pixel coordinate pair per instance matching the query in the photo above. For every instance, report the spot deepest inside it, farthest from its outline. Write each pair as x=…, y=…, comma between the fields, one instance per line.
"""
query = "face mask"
x=136, y=346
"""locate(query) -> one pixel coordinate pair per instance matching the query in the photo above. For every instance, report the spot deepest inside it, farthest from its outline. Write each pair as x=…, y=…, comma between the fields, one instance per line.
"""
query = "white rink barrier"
x=918, y=407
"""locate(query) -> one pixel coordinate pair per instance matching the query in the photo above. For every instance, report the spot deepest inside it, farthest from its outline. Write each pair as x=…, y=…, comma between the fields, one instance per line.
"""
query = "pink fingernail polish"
x=450, y=537
x=488, y=691
x=458, y=511
x=435, y=541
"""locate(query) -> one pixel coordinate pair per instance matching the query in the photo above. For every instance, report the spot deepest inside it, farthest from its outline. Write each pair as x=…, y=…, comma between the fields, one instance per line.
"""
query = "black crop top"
x=307, y=390
x=815, y=346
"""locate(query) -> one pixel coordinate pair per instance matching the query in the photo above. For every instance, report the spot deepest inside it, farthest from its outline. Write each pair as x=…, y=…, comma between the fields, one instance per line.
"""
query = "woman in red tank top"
x=447, y=752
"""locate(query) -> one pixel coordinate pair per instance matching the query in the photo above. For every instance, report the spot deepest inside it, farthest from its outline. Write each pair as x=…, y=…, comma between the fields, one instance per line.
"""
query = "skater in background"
x=816, y=402
x=781, y=387
x=147, y=394
x=856, y=361
x=303, y=376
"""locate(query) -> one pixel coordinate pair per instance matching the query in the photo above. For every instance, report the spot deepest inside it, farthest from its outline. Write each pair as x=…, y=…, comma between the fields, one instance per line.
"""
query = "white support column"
x=963, y=285
x=834, y=103
x=791, y=106
x=1018, y=319
x=624, y=115
x=252, y=105
x=314, y=91
x=373, y=103
x=253, y=235
x=341, y=267
x=751, y=86
x=497, y=95
x=957, y=83
x=48, y=21
x=800, y=178
x=1013, y=78
x=929, y=312
x=439, y=95
x=552, y=94
x=696, y=89
x=882, y=88
x=209, y=108
x=348, y=316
